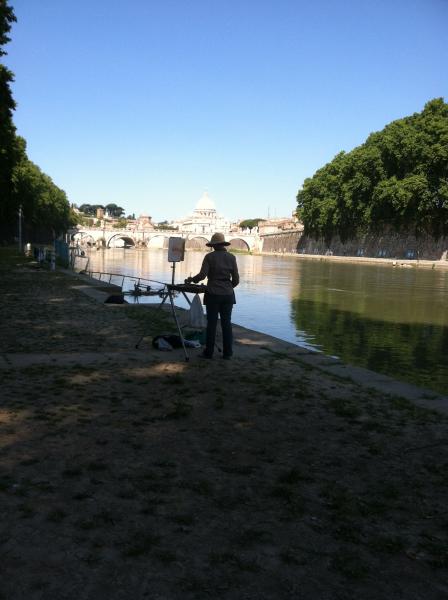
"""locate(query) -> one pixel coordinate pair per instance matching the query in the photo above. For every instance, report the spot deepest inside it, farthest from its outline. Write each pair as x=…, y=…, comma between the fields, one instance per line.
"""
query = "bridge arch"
x=85, y=239
x=158, y=241
x=120, y=240
x=239, y=244
x=196, y=243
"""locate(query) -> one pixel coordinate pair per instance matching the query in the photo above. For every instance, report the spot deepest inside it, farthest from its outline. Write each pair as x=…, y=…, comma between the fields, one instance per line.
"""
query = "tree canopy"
x=114, y=211
x=90, y=209
x=45, y=208
x=398, y=178
x=9, y=149
x=250, y=223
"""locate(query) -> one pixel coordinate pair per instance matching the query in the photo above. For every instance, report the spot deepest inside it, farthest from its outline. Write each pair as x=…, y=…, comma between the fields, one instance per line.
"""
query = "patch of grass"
x=37, y=585
x=341, y=501
x=347, y=532
x=181, y=410
x=391, y=544
x=72, y=472
x=176, y=379
x=275, y=353
x=96, y=466
x=251, y=536
x=126, y=493
x=344, y=408
x=295, y=504
x=5, y=483
x=182, y=519
x=26, y=462
x=374, y=449
x=373, y=506
x=141, y=544
x=437, y=550
x=26, y=511
x=202, y=487
x=82, y=495
x=86, y=524
x=349, y=565
x=220, y=558
x=153, y=322
x=283, y=492
x=231, y=558
x=292, y=557
x=166, y=557
x=238, y=469
x=219, y=402
x=292, y=476
x=413, y=411
x=56, y=515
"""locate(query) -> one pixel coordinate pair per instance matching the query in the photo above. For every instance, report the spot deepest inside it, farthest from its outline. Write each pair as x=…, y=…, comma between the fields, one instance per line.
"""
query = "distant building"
x=144, y=222
x=100, y=213
x=278, y=225
x=204, y=220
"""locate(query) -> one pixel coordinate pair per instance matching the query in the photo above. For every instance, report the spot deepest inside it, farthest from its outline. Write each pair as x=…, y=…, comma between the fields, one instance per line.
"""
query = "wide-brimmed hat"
x=218, y=239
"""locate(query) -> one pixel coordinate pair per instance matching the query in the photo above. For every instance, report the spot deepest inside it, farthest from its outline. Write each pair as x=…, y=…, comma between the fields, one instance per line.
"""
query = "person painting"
x=221, y=271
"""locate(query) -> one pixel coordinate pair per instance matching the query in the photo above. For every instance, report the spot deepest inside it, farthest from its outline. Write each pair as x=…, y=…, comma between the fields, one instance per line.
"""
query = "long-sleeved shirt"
x=221, y=271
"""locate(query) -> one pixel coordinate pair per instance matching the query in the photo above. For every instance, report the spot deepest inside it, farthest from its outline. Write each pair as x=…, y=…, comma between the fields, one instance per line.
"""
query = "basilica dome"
x=204, y=220
x=205, y=203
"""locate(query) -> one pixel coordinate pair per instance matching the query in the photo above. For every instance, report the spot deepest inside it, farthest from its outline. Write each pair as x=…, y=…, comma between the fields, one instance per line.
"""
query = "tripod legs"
x=158, y=308
x=173, y=310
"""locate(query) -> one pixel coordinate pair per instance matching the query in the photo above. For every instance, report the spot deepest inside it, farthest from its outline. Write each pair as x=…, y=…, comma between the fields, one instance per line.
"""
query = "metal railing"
x=130, y=284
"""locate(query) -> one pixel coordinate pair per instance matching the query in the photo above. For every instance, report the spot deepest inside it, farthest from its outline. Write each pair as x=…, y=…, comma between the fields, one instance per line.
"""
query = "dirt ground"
x=133, y=474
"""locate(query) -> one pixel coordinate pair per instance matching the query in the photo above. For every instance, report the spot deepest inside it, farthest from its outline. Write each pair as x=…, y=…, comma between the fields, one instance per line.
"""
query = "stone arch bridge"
x=113, y=238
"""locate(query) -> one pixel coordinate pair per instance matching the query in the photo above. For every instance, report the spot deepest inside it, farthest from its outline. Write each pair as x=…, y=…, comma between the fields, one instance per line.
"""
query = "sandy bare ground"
x=131, y=474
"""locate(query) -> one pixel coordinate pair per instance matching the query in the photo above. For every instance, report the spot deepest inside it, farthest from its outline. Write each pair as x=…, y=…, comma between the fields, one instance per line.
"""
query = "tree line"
x=397, y=179
x=112, y=210
x=24, y=188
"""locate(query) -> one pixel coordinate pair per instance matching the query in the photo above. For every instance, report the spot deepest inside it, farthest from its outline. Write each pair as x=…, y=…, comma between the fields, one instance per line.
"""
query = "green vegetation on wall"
x=398, y=178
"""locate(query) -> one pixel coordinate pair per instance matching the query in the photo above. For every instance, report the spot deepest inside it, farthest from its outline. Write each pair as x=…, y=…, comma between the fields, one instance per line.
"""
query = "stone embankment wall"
x=387, y=245
x=286, y=242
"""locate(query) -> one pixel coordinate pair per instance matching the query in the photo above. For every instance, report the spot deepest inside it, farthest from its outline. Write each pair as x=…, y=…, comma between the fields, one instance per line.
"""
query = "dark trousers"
x=222, y=308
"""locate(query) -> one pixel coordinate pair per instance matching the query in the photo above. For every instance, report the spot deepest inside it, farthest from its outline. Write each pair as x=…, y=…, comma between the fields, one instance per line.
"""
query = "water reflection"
x=392, y=320
x=412, y=352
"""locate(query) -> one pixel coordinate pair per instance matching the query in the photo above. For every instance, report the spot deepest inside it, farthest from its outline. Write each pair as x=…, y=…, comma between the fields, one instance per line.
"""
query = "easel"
x=176, y=250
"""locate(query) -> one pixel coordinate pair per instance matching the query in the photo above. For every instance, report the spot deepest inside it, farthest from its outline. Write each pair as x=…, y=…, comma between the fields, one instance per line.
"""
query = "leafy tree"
x=90, y=209
x=398, y=178
x=121, y=224
x=45, y=208
x=165, y=226
x=250, y=223
x=114, y=211
x=9, y=148
x=46, y=211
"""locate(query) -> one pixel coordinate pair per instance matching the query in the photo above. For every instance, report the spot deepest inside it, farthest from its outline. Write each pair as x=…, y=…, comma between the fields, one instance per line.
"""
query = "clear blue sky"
x=147, y=103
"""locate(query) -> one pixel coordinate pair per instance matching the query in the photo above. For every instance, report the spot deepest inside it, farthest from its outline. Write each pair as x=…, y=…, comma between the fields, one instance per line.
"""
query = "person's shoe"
x=204, y=355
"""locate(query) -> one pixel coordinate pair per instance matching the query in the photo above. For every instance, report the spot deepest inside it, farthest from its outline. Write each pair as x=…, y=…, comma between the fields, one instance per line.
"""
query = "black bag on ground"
x=115, y=299
x=172, y=339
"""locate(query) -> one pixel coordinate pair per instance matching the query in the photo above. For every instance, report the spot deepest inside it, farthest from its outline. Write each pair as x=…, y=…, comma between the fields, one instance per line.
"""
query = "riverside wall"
x=386, y=245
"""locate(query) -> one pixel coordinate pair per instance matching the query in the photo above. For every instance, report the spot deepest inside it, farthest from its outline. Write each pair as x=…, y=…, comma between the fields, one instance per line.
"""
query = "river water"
x=389, y=319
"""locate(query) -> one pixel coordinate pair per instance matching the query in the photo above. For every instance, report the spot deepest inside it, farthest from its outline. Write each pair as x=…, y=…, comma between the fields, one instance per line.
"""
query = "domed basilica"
x=204, y=219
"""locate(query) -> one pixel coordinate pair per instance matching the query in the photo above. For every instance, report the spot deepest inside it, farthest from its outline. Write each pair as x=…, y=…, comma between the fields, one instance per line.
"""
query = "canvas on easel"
x=176, y=249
